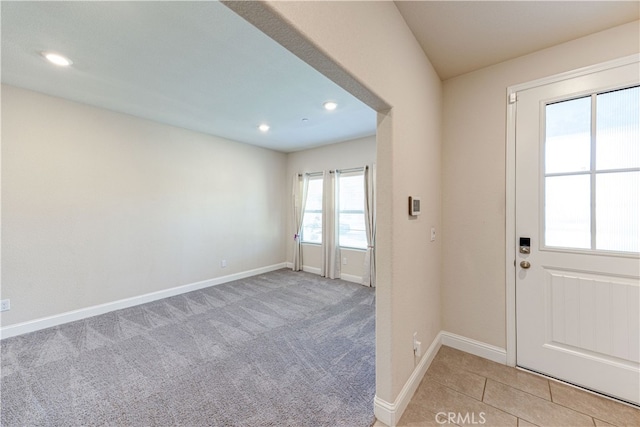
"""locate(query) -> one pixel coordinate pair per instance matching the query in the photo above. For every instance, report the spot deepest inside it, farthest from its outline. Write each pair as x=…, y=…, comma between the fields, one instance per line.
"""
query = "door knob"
x=525, y=264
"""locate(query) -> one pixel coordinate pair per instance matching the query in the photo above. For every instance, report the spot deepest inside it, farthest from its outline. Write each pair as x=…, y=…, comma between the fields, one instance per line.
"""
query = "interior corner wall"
x=99, y=206
x=371, y=42
x=474, y=169
x=343, y=155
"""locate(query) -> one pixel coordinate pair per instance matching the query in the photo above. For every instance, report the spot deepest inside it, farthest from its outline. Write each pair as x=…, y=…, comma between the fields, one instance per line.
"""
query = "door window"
x=592, y=172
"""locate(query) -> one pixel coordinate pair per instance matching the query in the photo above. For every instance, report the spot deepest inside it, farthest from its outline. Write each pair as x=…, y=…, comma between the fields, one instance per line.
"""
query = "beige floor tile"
x=600, y=423
x=513, y=377
x=416, y=415
x=524, y=423
x=451, y=356
x=598, y=407
x=436, y=398
x=531, y=408
x=458, y=379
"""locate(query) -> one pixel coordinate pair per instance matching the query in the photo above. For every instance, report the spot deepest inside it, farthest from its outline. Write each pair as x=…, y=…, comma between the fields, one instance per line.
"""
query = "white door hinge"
x=513, y=97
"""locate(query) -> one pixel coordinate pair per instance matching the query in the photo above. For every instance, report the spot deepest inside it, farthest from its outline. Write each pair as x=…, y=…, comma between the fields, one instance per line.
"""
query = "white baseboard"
x=390, y=413
x=474, y=347
x=351, y=278
x=83, y=313
x=314, y=270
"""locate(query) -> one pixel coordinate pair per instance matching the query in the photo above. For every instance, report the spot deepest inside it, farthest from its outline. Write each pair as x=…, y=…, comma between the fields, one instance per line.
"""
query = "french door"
x=578, y=230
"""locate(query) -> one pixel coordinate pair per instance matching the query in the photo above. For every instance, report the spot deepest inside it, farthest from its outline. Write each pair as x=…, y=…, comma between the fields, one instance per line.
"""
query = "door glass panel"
x=618, y=211
x=568, y=136
x=567, y=211
x=618, y=129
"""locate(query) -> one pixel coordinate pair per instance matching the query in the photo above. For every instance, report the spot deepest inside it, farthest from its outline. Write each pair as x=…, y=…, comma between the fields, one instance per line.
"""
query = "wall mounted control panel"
x=414, y=206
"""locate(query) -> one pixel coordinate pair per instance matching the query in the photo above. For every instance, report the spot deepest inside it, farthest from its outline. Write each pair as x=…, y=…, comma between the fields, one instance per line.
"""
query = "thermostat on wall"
x=414, y=206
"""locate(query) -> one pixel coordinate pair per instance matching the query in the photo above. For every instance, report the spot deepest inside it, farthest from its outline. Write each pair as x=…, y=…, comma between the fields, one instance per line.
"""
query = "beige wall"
x=372, y=43
x=473, y=165
x=99, y=206
x=349, y=154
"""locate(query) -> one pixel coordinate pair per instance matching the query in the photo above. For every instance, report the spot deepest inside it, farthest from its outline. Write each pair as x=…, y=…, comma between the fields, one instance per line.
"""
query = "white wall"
x=99, y=206
x=349, y=154
x=368, y=44
x=473, y=165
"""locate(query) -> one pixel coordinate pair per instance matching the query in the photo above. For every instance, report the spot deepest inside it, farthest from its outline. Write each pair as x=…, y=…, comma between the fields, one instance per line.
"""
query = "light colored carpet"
x=280, y=349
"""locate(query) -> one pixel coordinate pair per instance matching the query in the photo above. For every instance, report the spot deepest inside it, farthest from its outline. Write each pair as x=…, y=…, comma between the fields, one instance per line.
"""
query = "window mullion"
x=593, y=170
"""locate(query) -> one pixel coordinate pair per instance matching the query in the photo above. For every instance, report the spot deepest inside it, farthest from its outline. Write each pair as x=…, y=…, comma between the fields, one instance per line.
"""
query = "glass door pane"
x=618, y=129
x=567, y=211
x=568, y=136
x=618, y=212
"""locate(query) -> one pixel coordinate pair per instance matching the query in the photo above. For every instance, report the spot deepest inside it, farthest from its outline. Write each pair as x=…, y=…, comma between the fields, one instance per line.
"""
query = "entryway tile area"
x=463, y=389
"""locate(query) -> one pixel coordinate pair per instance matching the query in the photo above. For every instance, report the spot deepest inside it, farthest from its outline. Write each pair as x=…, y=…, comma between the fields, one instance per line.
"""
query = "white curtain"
x=299, y=198
x=330, y=250
x=369, y=277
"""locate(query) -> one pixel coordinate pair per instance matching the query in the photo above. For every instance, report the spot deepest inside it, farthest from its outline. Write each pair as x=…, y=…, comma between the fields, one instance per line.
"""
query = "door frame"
x=510, y=208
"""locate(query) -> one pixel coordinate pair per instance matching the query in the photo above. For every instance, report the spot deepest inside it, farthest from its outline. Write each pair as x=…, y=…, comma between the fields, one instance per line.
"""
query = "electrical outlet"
x=5, y=305
x=223, y=263
x=344, y=260
x=417, y=345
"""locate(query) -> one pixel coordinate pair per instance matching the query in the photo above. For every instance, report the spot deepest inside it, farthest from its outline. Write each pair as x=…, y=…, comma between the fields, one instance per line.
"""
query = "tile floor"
x=486, y=393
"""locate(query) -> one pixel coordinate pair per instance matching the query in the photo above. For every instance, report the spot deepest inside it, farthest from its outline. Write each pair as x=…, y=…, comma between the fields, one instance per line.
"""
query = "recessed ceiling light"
x=305, y=120
x=330, y=105
x=263, y=127
x=57, y=59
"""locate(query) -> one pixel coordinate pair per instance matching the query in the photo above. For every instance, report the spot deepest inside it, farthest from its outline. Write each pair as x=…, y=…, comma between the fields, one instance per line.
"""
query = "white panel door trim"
x=510, y=200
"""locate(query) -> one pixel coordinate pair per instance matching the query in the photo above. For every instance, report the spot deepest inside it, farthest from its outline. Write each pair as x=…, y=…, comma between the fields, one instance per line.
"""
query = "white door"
x=577, y=201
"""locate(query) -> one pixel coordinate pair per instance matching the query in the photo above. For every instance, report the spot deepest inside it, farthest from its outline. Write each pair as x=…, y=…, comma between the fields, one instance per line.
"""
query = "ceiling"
x=195, y=65
x=463, y=36
x=199, y=66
